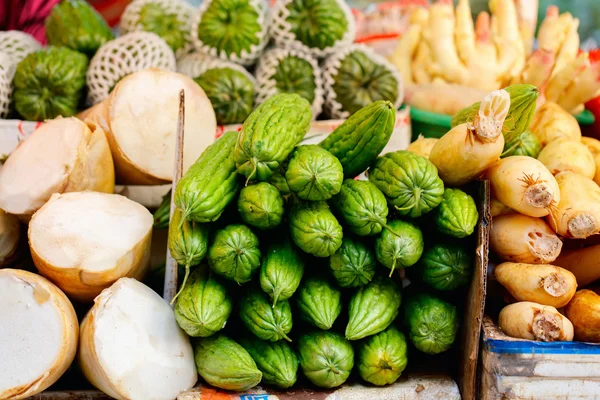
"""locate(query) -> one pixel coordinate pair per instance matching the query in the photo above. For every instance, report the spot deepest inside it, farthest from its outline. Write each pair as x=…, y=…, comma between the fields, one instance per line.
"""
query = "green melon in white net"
x=355, y=76
x=233, y=30
x=228, y=85
x=169, y=19
x=135, y=51
x=316, y=26
x=290, y=71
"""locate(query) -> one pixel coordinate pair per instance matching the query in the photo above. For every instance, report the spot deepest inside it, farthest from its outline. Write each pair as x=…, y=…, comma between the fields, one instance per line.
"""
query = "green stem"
x=275, y=297
x=282, y=334
x=393, y=267
x=185, y=277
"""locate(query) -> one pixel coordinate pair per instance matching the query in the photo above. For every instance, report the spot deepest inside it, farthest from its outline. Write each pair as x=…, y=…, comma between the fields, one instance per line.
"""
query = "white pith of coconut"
x=141, y=119
x=39, y=334
x=131, y=346
x=10, y=231
x=85, y=241
x=149, y=196
x=63, y=155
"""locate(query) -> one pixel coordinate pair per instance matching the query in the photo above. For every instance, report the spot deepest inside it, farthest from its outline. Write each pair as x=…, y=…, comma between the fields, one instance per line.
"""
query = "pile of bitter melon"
x=292, y=259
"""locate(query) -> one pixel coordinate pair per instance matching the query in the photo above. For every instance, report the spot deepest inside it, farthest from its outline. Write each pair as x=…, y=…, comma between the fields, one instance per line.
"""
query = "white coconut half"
x=38, y=331
x=131, y=346
x=10, y=231
x=85, y=241
x=63, y=155
x=140, y=117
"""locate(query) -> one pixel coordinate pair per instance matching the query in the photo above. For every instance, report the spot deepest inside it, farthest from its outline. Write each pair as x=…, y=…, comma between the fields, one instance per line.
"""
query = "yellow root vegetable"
x=551, y=122
x=525, y=185
x=464, y=153
x=532, y=321
x=594, y=146
x=565, y=154
x=406, y=49
x=497, y=208
x=584, y=263
x=578, y=212
x=584, y=312
x=422, y=146
x=524, y=239
x=544, y=284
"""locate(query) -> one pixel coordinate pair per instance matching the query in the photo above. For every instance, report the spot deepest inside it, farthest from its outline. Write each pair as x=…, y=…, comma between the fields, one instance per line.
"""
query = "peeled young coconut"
x=63, y=155
x=85, y=241
x=131, y=346
x=9, y=237
x=140, y=117
x=38, y=331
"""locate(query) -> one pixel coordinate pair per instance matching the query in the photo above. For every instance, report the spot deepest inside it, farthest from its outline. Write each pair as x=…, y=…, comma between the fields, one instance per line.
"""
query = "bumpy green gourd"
x=446, y=266
x=432, y=323
x=154, y=17
x=163, y=212
x=266, y=321
x=234, y=253
x=319, y=302
x=457, y=214
x=313, y=173
x=362, y=206
x=525, y=144
x=314, y=228
x=281, y=271
x=278, y=180
x=409, y=181
x=523, y=98
x=372, y=308
x=187, y=242
x=204, y=306
x=326, y=358
x=77, y=25
x=270, y=133
x=231, y=93
x=317, y=23
x=353, y=264
x=382, y=357
x=211, y=183
x=358, y=141
x=295, y=75
x=261, y=205
x=276, y=360
x=399, y=247
x=225, y=364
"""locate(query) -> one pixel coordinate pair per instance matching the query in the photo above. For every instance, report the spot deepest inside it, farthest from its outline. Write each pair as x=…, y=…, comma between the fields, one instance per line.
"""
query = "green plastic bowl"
x=585, y=118
x=428, y=124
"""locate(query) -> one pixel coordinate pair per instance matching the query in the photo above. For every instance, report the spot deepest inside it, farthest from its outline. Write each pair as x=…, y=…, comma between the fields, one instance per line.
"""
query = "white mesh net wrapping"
x=267, y=66
x=130, y=19
x=127, y=54
x=245, y=57
x=16, y=45
x=6, y=75
x=280, y=30
x=330, y=70
x=195, y=64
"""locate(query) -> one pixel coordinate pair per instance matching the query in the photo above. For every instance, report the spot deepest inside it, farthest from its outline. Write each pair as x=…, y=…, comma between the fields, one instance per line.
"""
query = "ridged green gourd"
x=261, y=206
x=316, y=23
x=319, y=302
x=432, y=323
x=446, y=266
x=457, y=214
x=525, y=144
x=163, y=212
x=362, y=207
x=204, y=306
x=326, y=358
x=372, y=308
x=276, y=360
x=361, y=138
x=409, y=181
x=313, y=173
x=262, y=319
x=314, y=228
x=234, y=253
x=523, y=98
x=225, y=364
x=281, y=270
x=382, y=357
x=399, y=247
x=278, y=180
x=269, y=135
x=353, y=264
x=211, y=183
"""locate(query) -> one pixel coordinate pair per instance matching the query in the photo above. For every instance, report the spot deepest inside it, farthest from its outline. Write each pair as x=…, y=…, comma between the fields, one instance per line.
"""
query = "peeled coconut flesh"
x=140, y=117
x=85, y=241
x=38, y=334
x=9, y=237
x=131, y=346
x=63, y=155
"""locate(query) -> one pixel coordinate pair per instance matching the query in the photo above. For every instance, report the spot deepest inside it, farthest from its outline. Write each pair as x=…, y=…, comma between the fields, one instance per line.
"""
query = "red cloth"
x=26, y=15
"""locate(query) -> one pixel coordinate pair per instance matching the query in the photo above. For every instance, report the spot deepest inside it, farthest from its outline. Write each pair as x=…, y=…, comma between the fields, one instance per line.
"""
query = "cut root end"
x=539, y=195
x=544, y=247
x=554, y=284
x=492, y=113
x=582, y=225
x=546, y=327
